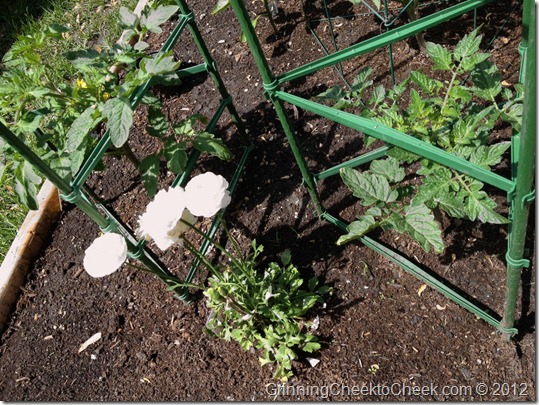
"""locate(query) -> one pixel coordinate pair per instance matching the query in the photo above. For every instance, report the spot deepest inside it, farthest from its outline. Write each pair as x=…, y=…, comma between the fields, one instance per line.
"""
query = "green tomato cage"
x=78, y=192
x=518, y=188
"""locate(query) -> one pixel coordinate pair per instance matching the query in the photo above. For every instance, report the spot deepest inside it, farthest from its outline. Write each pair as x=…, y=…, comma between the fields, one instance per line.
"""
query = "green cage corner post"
x=525, y=169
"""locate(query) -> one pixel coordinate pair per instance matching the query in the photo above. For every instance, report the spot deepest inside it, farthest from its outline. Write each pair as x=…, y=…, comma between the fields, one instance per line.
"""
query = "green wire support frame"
x=518, y=188
x=77, y=192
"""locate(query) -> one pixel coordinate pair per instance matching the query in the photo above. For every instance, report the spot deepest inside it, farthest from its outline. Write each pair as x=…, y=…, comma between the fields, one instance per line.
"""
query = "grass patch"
x=93, y=24
x=11, y=217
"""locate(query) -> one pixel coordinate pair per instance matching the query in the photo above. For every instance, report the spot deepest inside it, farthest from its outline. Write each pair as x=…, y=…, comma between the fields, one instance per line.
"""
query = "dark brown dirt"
x=153, y=346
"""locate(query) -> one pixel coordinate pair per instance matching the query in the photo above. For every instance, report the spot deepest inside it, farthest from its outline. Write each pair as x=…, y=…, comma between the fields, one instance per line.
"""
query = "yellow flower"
x=106, y=96
x=82, y=84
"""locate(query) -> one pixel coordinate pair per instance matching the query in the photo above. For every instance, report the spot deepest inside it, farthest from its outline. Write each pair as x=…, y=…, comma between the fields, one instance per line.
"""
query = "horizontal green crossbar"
x=400, y=139
x=382, y=40
x=193, y=70
x=421, y=274
x=357, y=161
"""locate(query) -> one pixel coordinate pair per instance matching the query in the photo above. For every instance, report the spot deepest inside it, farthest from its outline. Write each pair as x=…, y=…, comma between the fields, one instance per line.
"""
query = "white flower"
x=206, y=194
x=105, y=255
x=161, y=221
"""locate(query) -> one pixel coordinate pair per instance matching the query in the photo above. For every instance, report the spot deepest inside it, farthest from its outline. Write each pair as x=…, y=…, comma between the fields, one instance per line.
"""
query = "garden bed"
x=378, y=328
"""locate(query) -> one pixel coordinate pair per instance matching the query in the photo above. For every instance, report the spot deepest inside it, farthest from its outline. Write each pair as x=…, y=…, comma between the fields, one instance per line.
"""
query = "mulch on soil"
x=376, y=330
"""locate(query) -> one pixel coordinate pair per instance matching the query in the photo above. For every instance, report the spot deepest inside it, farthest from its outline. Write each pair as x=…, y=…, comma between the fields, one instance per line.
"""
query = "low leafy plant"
x=61, y=118
x=457, y=115
x=264, y=309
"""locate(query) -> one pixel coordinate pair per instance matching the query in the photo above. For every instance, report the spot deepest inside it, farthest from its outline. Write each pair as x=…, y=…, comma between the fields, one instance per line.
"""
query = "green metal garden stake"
x=524, y=176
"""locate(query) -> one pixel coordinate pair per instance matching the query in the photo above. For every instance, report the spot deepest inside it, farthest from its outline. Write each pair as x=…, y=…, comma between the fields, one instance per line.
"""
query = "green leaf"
x=30, y=121
x=119, y=116
x=126, y=59
x=62, y=166
x=220, y=6
x=469, y=63
x=151, y=100
x=463, y=132
x=425, y=83
x=311, y=347
x=26, y=182
x=402, y=155
x=375, y=211
x=56, y=30
x=452, y=109
x=357, y=229
x=389, y=168
x=82, y=57
x=206, y=142
x=417, y=105
x=149, y=171
x=480, y=206
x=487, y=81
x=141, y=46
x=128, y=19
x=453, y=205
x=77, y=156
x=157, y=17
x=187, y=126
x=362, y=81
x=313, y=282
x=158, y=123
x=378, y=95
x=168, y=79
x=333, y=94
x=440, y=56
x=460, y=92
x=467, y=46
x=176, y=157
x=422, y=226
x=80, y=128
x=160, y=65
x=433, y=185
x=486, y=156
x=370, y=188
x=286, y=257
x=126, y=36
x=513, y=115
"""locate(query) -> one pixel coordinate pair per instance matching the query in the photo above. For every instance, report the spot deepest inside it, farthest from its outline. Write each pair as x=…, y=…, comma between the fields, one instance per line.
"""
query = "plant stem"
x=453, y=78
x=166, y=278
x=411, y=12
x=270, y=16
x=229, y=235
x=214, y=243
x=128, y=152
x=211, y=268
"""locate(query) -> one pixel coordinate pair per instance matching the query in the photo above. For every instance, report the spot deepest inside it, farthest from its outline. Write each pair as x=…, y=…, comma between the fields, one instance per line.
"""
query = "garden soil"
x=384, y=336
